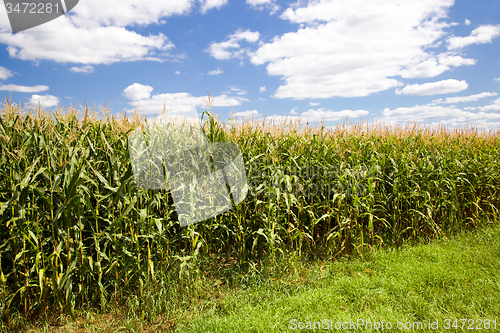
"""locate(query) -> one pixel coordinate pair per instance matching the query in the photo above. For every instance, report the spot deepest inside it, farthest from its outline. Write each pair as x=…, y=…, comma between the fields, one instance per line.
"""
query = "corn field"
x=75, y=229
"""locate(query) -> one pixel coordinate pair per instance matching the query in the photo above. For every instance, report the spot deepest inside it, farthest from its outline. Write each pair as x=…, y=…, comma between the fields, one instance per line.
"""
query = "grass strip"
x=444, y=281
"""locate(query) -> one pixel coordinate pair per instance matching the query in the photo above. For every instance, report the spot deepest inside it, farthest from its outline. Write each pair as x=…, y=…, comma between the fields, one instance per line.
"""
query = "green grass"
x=447, y=279
x=455, y=278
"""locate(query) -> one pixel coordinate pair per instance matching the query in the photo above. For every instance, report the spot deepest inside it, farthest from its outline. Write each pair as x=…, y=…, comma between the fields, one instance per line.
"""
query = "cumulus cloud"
x=455, y=61
x=5, y=73
x=90, y=36
x=432, y=67
x=316, y=116
x=83, y=69
x=247, y=114
x=329, y=115
x=433, y=88
x=237, y=90
x=137, y=91
x=121, y=13
x=262, y=89
x=467, y=22
x=45, y=101
x=217, y=71
x=494, y=106
x=310, y=116
x=463, y=99
x=427, y=68
x=206, y=5
x=23, y=89
x=176, y=102
x=358, y=47
x=314, y=103
x=71, y=44
x=231, y=48
x=481, y=35
x=449, y=116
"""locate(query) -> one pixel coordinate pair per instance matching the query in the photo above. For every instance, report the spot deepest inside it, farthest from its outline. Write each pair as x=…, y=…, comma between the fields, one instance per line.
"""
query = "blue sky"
x=393, y=61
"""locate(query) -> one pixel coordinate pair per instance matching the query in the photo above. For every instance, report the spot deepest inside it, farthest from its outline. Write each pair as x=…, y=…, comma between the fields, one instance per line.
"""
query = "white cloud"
x=427, y=68
x=432, y=67
x=206, y=5
x=310, y=116
x=467, y=22
x=455, y=61
x=181, y=102
x=137, y=91
x=247, y=114
x=5, y=73
x=237, y=90
x=45, y=101
x=231, y=47
x=23, y=89
x=463, y=99
x=263, y=4
x=497, y=79
x=83, y=69
x=216, y=72
x=358, y=47
x=262, y=89
x=95, y=33
x=434, y=88
x=449, y=116
x=177, y=72
x=121, y=13
x=494, y=106
x=329, y=115
x=315, y=116
x=314, y=103
x=481, y=35
x=69, y=44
